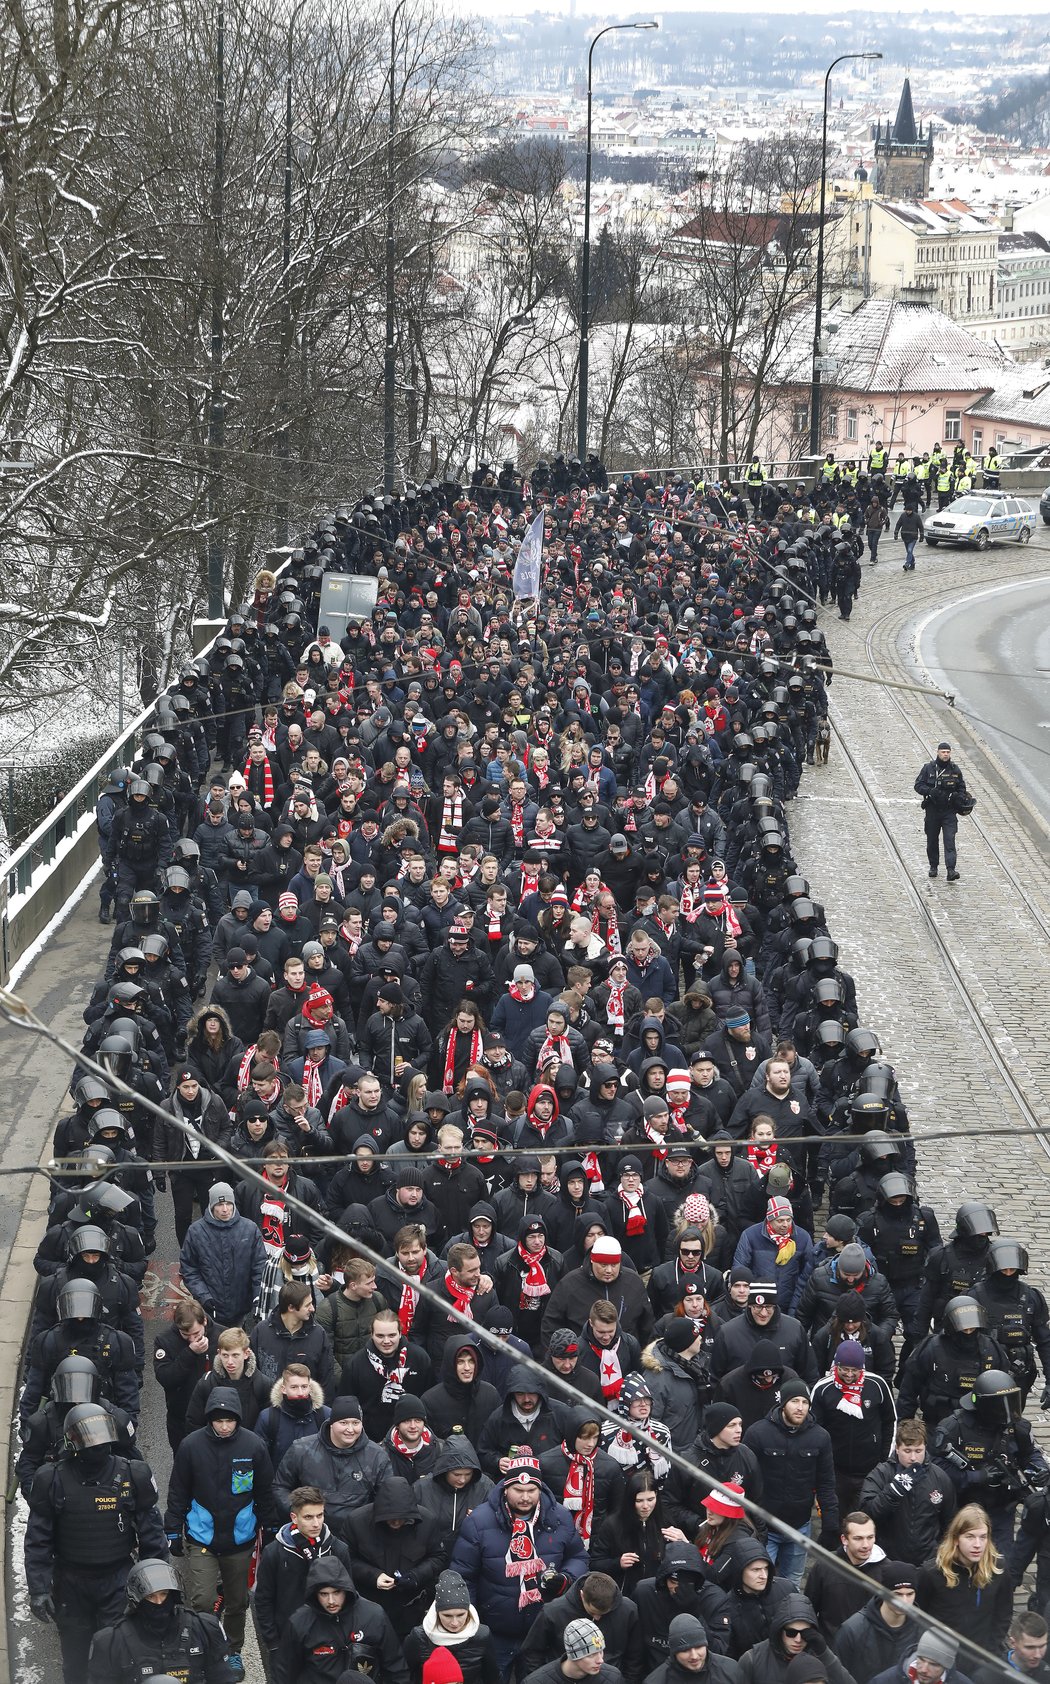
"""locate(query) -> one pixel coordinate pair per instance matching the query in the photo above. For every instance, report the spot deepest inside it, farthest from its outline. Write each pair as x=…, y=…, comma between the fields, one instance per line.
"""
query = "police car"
x=978, y=519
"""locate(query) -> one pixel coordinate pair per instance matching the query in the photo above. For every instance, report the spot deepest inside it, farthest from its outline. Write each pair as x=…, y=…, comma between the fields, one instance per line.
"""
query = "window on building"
x=800, y=418
x=831, y=424
x=977, y=447
x=953, y=424
x=852, y=429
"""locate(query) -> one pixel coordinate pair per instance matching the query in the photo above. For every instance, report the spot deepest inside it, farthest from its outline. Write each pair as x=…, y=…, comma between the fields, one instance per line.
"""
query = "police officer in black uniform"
x=1017, y=1315
x=959, y=1264
x=75, y=1380
x=944, y=797
x=88, y=1515
x=139, y=846
x=158, y=1641
x=986, y=1446
x=80, y=1331
x=947, y=1363
x=900, y=1233
x=89, y=1259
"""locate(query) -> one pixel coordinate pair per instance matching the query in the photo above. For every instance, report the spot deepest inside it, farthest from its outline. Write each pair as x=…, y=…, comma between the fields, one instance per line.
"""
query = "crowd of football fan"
x=514, y=980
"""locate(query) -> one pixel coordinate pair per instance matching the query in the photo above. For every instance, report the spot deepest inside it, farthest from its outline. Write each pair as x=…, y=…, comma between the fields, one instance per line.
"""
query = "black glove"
x=160, y=1181
x=901, y=1483
x=43, y=1608
x=552, y=1585
x=816, y=1642
x=149, y=1247
x=1044, y=1397
x=175, y=1544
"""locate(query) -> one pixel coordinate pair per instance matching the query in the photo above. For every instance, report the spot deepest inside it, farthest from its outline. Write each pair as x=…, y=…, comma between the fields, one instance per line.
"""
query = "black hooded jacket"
x=461, y=1406
x=751, y=1613
x=436, y=1497
x=696, y=1594
x=316, y=1648
x=767, y=1662
x=412, y=1553
x=503, y=1430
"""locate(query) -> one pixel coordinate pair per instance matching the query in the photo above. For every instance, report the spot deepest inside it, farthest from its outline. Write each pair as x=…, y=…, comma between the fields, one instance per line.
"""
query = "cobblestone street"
x=906, y=990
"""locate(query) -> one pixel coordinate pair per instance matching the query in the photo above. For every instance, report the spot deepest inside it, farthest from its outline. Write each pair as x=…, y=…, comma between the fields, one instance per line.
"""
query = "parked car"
x=1044, y=506
x=980, y=518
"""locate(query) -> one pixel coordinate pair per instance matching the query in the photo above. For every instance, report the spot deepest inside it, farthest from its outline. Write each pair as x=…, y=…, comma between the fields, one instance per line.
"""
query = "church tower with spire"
x=903, y=154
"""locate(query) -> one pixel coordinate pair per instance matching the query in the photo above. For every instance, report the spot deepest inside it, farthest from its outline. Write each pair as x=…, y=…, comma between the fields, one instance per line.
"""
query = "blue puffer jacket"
x=480, y=1555
x=222, y=1264
x=756, y=1251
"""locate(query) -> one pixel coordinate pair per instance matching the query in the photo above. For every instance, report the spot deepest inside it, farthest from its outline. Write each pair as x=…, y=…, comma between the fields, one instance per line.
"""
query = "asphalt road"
x=992, y=649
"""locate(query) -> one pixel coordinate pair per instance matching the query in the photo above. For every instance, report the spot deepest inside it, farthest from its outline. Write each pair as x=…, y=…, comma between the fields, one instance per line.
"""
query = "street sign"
x=344, y=597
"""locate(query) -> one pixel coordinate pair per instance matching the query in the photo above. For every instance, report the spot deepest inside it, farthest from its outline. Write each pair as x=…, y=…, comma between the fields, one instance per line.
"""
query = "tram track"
x=1028, y=1110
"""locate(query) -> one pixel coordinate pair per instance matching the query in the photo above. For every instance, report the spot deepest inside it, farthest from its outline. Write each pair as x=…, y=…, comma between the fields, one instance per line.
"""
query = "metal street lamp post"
x=814, y=392
x=585, y=266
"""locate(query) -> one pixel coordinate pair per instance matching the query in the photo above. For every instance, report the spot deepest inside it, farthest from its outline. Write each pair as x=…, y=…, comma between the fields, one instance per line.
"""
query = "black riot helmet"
x=147, y=1578
x=75, y=1380
x=1007, y=1254
x=138, y=790
x=101, y=1202
x=177, y=882
x=95, y=1160
x=800, y=952
x=794, y=887
x=894, y=1186
x=89, y=1426
x=879, y=1079
x=995, y=1399
x=89, y=1090
x=145, y=908
x=116, y=1054
x=879, y=1148
x=831, y=1036
x=963, y=1314
x=79, y=1301
x=129, y=956
x=761, y=786
x=803, y=911
x=126, y=994
x=866, y=1112
x=128, y=1029
x=862, y=1044
x=742, y=745
x=828, y=994
x=88, y=1238
x=107, y=1120
x=155, y=946
x=825, y=953
x=187, y=853
x=975, y=1221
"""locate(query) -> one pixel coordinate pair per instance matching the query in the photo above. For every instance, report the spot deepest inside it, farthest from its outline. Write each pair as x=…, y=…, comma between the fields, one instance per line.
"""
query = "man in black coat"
x=910, y=1499
x=335, y=1631
x=719, y=1453
x=944, y=796
x=457, y=971
x=280, y=1583
x=396, y=1553
x=595, y=1597
x=681, y=1587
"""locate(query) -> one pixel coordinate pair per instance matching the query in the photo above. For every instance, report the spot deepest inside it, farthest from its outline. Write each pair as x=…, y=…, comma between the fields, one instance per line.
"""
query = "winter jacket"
x=570, y=1303
x=697, y=1594
x=834, y=1596
x=767, y=1662
x=472, y=1648
x=910, y=1523
x=857, y=1443
x=981, y=1615
x=820, y=1297
x=684, y=1495
x=222, y=1265
x=480, y=1555
x=347, y=1322
x=717, y=1669
x=437, y=1498
x=750, y=1615
x=317, y=1648
x=460, y=1406
x=282, y=1423
x=608, y=1475
x=252, y=1388
x=370, y=1384
x=349, y=1478
x=736, y=1339
x=280, y=1582
x=414, y=1553
x=275, y=1348
x=221, y=1490
x=619, y=1627
x=516, y=1020
x=796, y=1465
x=504, y=1429
x=865, y=1644
x=679, y=1388
x=757, y=1252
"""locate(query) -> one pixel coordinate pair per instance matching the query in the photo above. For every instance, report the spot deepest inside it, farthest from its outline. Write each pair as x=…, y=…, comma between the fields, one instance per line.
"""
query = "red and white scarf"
x=516, y=990
x=410, y=1450
x=406, y=1310
x=634, y=1213
x=850, y=1399
x=722, y=909
x=592, y=1169
x=578, y=1495
x=451, y=824
x=610, y=1373
x=555, y=1046
x=534, y=1283
x=312, y=1083
x=530, y=879
x=267, y=779
x=691, y=902
x=762, y=1156
x=460, y=1295
x=448, y=1084
x=522, y=1561
x=657, y=1138
x=244, y=1072
x=517, y=825
x=615, y=1011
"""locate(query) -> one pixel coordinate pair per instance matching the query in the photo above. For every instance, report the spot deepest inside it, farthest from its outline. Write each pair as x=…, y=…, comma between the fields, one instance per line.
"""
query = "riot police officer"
x=88, y=1514
x=1017, y=1315
x=959, y=1264
x=986, y=1447
x=89, y=1259
x=158, y=1632
x=946, y=1364
x=75, y=1380
x=139, y=846
x=80, y=1331
x=900, y=1233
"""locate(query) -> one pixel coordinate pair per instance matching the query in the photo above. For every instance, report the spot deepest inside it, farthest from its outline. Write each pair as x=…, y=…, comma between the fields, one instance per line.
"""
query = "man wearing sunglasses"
x=793, y=1631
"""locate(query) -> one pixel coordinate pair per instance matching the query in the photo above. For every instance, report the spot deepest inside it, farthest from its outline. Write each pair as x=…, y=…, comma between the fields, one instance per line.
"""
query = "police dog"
x=822, y=746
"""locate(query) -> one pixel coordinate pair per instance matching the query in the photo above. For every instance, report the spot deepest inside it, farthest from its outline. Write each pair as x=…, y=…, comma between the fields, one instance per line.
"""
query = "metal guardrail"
x=41, y=875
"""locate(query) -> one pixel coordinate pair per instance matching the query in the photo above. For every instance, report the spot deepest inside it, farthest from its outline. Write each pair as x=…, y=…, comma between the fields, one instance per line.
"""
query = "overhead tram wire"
x=17, y=1013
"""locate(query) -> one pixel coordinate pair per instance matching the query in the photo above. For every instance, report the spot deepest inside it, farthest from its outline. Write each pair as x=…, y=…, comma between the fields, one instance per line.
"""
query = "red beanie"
x=442, y=1667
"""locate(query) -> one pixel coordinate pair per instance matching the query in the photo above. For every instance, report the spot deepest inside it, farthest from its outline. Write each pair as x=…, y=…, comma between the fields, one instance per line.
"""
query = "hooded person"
x=681, y=1586
x=581, y=1474
x=754, y=1388
x=690, y=1657
x=762, y=1319
x=396, y=1553
x=518, y=1538
x=482, y=1231
x=454, y=1488
x=500, y=1363
x=525, y=1277
x=755, y=1593
x=451, y=1625
x=769, y=1661
x=543, y=1128
x=337, y=1628
x=463, y=1400
x=525, y=1419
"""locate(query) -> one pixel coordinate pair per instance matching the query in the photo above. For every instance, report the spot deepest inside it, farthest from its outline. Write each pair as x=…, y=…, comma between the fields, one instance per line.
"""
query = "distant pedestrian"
x=944, y=797
x=909, y=527
x=875, y=523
